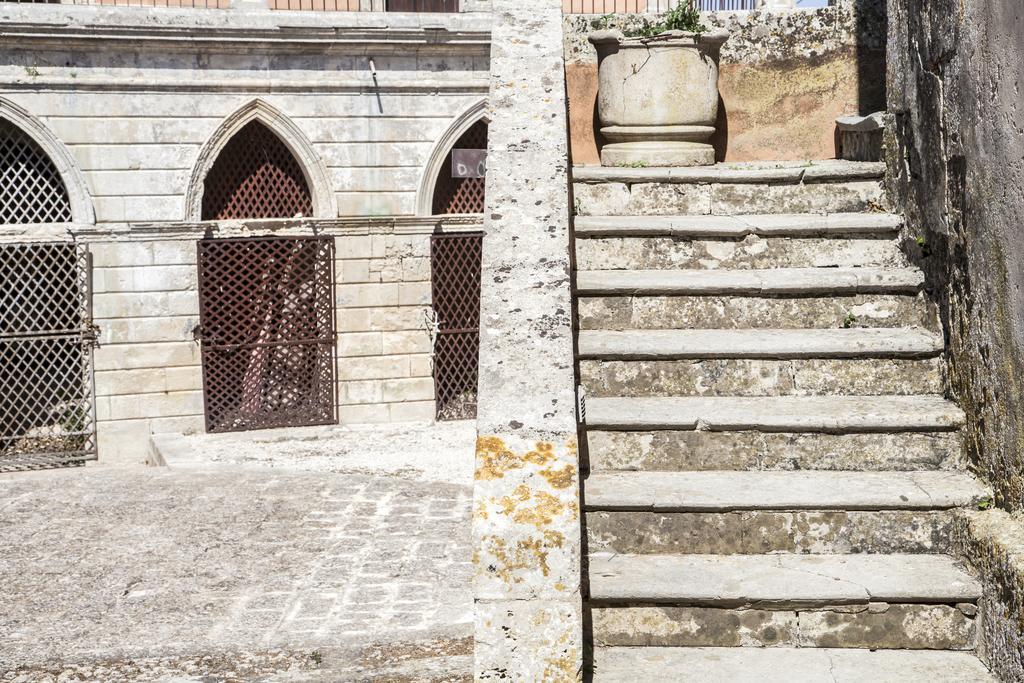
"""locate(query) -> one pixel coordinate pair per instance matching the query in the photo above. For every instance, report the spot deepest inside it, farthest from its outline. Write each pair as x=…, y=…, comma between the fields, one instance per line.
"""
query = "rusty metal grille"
x=46, y=340
x=422, y=5
x=255, y=176
x=455, y=262
x=266, y=312
x=461, y=195
x=31, y=189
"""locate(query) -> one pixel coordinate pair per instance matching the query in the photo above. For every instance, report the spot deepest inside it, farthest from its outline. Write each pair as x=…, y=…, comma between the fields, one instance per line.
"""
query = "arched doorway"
x=47, y=413
x=266, y=304
x=455, y=260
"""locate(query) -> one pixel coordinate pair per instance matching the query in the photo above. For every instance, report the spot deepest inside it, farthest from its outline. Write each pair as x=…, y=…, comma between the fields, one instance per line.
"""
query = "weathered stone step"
x=739, y=312
x=752, y=532
x=756, y=377
x=831, y=414
x=759, y=343
x=726, y=491
x=875, y=625
x=778, y=580
x=784, y=665
x=774, y=281
x=759, y=172
x=753, y=450
x=663, y=253
x=740, y=226
x=676, y=198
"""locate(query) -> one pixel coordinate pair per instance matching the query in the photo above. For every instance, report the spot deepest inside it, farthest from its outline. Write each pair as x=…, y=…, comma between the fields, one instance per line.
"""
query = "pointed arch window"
x=256, y=176
x=461, y=195
x=31, y=189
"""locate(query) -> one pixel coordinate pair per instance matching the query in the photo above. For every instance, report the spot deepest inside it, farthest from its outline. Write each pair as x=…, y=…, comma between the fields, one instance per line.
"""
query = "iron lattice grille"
x=46, y=339
x=266, y=307
x=255, y=176
x=455, y=261
x=461, y=195
x=31, y=189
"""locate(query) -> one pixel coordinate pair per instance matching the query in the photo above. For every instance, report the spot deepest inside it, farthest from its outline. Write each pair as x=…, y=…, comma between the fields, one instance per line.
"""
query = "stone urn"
x=658, y=97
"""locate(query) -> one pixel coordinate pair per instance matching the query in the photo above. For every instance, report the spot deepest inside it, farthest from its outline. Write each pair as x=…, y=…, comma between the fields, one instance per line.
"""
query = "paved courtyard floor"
x=318, y=555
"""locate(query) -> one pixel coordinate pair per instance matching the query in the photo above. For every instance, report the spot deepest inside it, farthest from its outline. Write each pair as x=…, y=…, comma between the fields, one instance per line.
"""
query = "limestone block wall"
x=140, y=100
x=785, y=76
x=148, y=373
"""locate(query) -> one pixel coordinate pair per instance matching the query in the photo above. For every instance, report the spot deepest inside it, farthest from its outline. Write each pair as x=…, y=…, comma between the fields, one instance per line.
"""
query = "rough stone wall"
x=956, y=170
x=956, y=167
x=526, y=516
x=784, y=78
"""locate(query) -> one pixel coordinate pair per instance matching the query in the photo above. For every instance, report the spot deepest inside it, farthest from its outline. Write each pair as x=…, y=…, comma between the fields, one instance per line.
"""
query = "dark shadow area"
x=871, y=21
x=720, y=140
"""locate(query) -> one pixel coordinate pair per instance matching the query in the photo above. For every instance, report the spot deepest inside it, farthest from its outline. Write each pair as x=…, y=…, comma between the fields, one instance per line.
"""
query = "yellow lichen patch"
x=541, y=455
x=494, y=459
x=560, y=479
x=543, y=513
x=508, y=563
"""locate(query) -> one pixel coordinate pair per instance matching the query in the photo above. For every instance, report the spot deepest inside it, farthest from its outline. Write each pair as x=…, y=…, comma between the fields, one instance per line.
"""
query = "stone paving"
x=229, y=572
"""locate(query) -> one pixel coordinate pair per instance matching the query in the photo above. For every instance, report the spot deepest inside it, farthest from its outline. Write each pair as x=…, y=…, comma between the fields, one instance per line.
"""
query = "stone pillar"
x=526, y=512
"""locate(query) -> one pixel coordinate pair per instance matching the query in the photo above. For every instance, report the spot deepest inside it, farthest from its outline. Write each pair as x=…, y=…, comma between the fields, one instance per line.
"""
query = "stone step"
x=675, y=198
x=756, y=377
x=752, y=532
x=758, y=172
x=739, y=312
x=830, y=414
x=778, y=581
x=772, y=282
x=784, y=665
x=759, y=343
x=728, y=491
x=609, y=451
x=876, y=625
x=741, y=226
x=663, y=253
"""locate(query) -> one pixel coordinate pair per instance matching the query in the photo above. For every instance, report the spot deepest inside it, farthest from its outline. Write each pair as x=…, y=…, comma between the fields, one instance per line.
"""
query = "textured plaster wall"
x=784, y=78
x=955, y=150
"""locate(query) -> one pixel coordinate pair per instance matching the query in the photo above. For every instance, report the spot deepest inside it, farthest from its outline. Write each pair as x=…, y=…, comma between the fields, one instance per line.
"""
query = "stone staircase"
x=770, y=465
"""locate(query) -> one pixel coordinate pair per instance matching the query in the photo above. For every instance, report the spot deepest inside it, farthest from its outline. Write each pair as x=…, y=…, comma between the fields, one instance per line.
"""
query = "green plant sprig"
x=683, y=17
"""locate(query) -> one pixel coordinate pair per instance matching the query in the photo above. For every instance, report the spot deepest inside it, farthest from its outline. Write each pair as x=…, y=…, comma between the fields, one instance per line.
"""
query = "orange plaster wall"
x=768, y=111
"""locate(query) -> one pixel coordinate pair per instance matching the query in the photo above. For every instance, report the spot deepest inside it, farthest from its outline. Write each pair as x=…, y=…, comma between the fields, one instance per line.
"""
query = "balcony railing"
x=638, y=6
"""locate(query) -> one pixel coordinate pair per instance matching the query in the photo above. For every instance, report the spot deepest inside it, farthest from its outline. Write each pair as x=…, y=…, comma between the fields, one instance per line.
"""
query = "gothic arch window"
x=31, y=188
x=466, y=194
x=256, y=176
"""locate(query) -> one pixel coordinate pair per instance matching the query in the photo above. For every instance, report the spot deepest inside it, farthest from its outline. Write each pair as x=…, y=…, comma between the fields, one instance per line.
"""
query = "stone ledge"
x=762, y=225
x=828, y=414
x=781, y=173
x=779, y=580
x=766, y=343
x=728, y=491
x=777, y=665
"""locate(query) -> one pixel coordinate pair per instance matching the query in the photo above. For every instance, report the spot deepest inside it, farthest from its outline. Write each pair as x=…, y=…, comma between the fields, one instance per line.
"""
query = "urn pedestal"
x=658, y=97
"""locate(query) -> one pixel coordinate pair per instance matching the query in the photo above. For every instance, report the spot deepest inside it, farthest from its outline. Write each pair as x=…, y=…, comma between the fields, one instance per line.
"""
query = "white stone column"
x=526, y=512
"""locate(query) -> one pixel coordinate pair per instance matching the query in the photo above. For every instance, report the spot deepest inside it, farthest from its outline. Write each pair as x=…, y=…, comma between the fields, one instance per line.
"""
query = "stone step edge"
x=819, y=414
x=778, y=664
x=771, y=281
x=781, y=344
x=784, y=174
x=800, y=490
x=778, y=580
x=738, y=226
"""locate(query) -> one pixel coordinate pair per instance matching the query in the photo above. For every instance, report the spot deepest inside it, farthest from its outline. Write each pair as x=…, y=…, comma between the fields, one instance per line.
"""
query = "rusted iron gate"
x=459, y=194
x=47, y=405
x=455, y=262
x=422, y=5
x=267, y=332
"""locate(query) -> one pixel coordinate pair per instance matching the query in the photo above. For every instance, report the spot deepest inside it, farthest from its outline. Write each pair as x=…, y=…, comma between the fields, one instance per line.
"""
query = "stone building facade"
x=136, y=106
